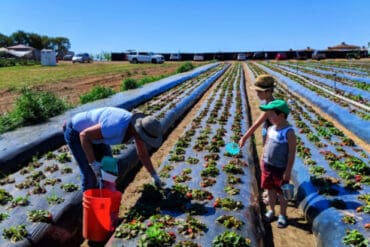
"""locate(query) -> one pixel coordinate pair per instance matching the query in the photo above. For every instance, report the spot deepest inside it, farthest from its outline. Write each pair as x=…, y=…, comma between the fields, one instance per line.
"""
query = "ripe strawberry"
x=358, y=178
x=359, y=209
x=209, y=197
x=172, y=234
x=189, y=195
x=49, y=218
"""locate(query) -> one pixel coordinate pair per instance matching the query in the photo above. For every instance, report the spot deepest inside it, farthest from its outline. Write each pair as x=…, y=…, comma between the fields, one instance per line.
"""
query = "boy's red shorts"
x=272, y=177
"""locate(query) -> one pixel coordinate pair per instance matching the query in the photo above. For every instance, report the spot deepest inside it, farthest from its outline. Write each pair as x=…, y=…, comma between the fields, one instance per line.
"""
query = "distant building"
x=344, y=47
x=24, y=51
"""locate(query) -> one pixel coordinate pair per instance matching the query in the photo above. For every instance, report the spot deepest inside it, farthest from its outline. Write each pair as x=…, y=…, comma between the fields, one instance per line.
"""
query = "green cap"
x=276, y=105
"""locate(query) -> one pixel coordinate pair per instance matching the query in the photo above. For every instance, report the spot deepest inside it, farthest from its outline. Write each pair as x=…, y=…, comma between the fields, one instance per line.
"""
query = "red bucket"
x=100, y=213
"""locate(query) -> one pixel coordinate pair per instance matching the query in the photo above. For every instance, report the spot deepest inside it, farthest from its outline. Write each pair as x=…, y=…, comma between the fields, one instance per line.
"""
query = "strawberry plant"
x=3, y=216
x=355, y=238
x=66, y=170
x=63, y=158
x=228, y=204
x=201, y=195
x=7, y=180
x=39, y=216
x=230, y=239
x=15, y=233
x=192, y=160
x=51, y=168
x=54, y=199
x=210, y=171
x=5, y=197
x=231, y=190
x=129, y=230
x=231, y=179
x=348, y=219
x=155, y=235
x=52, y=181
x=191, y=227
x=20, y=201
x=207, y=181
x=233, y=169
x=230, y=221
x=68, y=187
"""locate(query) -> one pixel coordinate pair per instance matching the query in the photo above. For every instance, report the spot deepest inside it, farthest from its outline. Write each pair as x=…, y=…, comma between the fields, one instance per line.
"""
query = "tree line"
x=59, y=44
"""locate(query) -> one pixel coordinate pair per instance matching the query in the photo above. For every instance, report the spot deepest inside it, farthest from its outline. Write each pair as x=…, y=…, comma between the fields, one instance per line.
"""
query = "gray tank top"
x=276, y=148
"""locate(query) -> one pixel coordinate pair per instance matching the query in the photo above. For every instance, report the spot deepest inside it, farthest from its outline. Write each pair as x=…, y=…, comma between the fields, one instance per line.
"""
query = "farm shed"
x=48, y=57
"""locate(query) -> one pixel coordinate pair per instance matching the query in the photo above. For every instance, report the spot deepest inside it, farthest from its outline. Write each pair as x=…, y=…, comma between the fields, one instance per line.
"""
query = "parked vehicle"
x=241, y=57
x=68, y=57
x=175, y=57
x=81, y=58
x=198, y=57
x=318, y=55
x=281, y=56
x=144, y=57
x=259, y=55
x=300, y=55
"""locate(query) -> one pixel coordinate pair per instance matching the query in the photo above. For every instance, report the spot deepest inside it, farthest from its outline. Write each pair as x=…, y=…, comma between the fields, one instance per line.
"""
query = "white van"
x=198, y=57
x=241, y=57
x=175, y=57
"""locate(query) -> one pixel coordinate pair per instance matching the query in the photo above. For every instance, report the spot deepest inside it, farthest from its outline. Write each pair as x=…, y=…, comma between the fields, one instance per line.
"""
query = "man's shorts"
x=272, y=177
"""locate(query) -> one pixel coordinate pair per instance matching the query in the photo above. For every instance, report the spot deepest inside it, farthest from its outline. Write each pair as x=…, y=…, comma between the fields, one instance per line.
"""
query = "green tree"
x=5, y=41
x=61, y=45
x=46, y=42
x=35, y=41
x=19, y=37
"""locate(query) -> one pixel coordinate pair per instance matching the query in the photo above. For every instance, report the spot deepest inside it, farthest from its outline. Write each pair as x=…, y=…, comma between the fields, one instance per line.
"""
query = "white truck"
x=144, y=57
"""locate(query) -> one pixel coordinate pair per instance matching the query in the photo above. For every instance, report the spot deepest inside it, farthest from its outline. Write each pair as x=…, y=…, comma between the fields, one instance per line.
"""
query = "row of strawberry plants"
x=361, y=112
x=49, y=183
x=357, y=66
x=194, y=164
x=343, y=86
x=161, y=102
x=353, y=78
x=336, y=169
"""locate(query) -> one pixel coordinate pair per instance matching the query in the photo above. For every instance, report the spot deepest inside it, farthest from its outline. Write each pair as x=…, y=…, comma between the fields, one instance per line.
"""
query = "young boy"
x=278, y=157
x=264, y=87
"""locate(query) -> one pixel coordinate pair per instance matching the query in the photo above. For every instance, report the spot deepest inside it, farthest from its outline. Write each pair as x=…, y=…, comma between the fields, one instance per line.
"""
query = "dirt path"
x=298, y=233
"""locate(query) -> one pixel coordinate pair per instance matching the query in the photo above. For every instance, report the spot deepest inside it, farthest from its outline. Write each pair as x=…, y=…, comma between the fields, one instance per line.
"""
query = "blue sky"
x=191, y=25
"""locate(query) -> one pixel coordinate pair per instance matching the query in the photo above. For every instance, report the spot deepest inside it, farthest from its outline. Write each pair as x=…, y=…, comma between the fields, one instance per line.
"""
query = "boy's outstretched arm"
x=252, y=129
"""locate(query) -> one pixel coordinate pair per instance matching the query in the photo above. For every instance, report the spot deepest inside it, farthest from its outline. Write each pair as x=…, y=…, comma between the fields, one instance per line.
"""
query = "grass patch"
x=31, y=75
x=32, y=107
x=128, y=84
x=185, y=67
x=96, y=93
